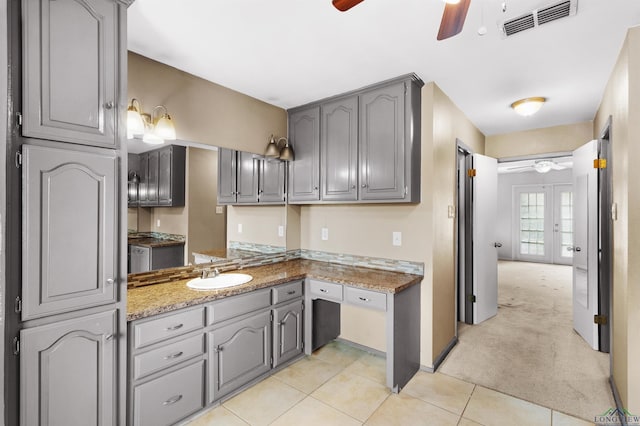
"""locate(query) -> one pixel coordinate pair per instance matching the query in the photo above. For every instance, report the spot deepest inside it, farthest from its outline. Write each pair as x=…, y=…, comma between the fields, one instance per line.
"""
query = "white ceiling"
x=291, y=52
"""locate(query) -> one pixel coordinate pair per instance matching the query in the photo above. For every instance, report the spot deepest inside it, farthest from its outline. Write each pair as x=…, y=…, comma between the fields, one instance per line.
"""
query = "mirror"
x=162, y=237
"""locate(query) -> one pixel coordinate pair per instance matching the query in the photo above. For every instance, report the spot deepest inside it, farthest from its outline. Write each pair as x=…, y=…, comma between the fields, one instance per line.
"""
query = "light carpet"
x=529, y=349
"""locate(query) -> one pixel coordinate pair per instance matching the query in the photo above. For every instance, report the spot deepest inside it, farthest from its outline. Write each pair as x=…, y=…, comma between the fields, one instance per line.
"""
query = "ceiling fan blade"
x=452, y=19
x=344, y=5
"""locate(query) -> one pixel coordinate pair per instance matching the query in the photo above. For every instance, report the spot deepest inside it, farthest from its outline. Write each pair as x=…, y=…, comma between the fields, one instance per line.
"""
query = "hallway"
x=529, y=349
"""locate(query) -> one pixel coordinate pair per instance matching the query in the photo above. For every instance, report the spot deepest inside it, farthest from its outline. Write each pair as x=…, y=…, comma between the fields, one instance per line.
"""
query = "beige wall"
x=259, y=224
x=204, y=112
x=206, y=229
x=539, y=141
x=367, y=229
x=621, y=101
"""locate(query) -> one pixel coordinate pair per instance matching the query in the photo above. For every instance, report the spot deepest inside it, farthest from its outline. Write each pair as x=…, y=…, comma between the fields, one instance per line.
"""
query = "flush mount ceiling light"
x=279, y=149
x=152, y=128
x=528, y=106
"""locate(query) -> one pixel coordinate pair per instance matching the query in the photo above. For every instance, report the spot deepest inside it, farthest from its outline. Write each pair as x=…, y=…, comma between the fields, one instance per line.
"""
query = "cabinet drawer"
x=286, y=292
x=169, y=398
x=157, y=330
x=238, y=305
x=168, y=355
x=329, y=291
x=365, y=298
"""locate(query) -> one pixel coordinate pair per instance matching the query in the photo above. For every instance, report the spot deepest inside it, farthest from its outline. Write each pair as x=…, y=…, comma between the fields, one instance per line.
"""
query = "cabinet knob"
x=364, y=185
x=353, y=187
x=315, y=188
x=110, y=281
x=109, y=105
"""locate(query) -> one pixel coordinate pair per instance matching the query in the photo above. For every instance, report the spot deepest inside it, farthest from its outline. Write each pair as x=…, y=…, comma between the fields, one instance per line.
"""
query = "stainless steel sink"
x=218, y=282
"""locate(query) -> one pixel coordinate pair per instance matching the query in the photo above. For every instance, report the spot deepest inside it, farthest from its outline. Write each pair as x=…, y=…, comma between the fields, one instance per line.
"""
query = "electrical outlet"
x=239, y=228
x=280, y=231
x=397, y=238
x=158, y=223
x=219, y=209
x=325, y=234
x=451, y=212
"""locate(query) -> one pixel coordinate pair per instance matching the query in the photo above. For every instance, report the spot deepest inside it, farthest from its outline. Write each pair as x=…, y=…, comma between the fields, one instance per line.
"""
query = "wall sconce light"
x=279, y=149
x=528, y=106
x=153, y=128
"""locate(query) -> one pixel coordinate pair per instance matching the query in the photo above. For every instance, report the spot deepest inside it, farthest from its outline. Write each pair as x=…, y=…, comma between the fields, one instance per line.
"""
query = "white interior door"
x=485, y=254
x=585, y=238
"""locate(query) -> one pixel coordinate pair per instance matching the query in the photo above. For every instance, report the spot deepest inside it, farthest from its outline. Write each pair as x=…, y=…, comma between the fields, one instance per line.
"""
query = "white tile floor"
x=342, y=385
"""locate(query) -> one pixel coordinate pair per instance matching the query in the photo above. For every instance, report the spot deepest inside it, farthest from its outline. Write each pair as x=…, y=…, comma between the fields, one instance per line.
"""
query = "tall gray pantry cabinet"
x=71, y=308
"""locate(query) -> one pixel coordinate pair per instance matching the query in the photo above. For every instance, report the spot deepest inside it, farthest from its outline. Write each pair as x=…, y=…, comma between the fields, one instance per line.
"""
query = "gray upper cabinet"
x=339, y=150
x=227, y=166
x=162, y=177
x=382, y=143
x=304, y=172
x=247, y=178
x=287, y=332
x=272, y=176
x=69, y=215
x=70, y=64
x=67, y=372
x=366, y=144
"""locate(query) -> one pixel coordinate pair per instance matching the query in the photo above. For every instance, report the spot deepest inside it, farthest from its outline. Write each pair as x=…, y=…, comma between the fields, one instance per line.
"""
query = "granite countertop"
x=150, y=241
x=155, y=299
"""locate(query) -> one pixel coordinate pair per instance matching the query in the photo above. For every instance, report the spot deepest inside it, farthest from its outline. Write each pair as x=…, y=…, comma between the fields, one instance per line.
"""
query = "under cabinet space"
x=169, y=398
x=156, y=330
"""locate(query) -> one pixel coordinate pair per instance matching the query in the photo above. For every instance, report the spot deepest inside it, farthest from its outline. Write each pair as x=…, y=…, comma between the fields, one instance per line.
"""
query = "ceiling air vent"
x=538, y=17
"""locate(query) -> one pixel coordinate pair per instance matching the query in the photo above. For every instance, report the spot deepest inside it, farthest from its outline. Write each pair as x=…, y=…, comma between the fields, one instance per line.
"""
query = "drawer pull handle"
x=323, y=290
x=364, y=299
x=173, y=400
x=173, y=356
x=174, y=327
x=108, y=337
x=290, y=292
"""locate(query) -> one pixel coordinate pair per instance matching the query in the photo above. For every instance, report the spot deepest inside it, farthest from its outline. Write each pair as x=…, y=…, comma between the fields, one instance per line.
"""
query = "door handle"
x=577, y=249
x=497, y=245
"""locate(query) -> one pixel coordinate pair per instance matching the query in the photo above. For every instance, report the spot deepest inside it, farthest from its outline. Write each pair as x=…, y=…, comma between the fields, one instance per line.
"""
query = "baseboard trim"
x=441, y=357
x=618, y=400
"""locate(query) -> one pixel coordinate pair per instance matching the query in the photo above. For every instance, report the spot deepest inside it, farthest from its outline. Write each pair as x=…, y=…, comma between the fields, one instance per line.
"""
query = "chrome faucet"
x=206, y=273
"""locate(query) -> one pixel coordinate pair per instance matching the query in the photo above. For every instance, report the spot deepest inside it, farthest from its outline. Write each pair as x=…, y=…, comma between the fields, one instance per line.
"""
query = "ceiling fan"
x=542, y=166
x=452, y=21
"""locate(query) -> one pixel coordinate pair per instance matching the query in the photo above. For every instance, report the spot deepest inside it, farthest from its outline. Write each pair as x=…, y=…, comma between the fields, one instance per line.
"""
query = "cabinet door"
x=69, y=214
x=271, y=181
x=247, y=184
x=239, y=353
x=143, y=186
x=70, y=64
x=287, y=332
x=153, y=170
x=382, y=143
x=339, y=150
x=304, y=171
x=165, y=169
x=226, y=176
x=67, y=372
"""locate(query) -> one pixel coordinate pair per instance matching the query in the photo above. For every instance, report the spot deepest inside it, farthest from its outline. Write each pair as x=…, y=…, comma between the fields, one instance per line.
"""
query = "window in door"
x=563, y=224
x=532, y=223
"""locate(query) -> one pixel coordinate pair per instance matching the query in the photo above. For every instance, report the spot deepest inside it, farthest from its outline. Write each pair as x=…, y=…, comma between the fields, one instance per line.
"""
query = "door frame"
x=464, y=235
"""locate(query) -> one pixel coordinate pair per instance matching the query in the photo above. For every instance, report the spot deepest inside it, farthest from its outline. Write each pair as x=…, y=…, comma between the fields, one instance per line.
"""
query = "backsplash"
x=416, y=268
x=261, y=248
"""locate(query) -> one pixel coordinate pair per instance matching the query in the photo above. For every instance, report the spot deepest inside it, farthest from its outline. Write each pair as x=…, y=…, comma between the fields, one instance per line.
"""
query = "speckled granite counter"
x=155, y=299
x=154, y=239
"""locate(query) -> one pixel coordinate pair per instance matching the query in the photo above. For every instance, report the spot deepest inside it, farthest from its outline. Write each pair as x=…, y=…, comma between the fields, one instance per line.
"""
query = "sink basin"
x=221, y=281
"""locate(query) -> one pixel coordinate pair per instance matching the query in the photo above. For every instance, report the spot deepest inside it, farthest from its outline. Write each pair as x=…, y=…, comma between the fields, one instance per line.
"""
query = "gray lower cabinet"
x=68, y=372
x=71, y=70
x=239, y=353
x=69, y=216
x=304, y=171
x=287, y=332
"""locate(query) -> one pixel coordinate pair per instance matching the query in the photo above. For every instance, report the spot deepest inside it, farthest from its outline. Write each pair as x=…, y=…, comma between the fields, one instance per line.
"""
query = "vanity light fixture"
x=528, y=106
x=153, y=128
x=279, y=149
x=451, y=1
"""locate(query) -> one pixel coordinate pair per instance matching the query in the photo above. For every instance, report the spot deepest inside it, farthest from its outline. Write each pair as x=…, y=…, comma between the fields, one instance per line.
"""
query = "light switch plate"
x=158, y=223
x=325, y=234
x=451, y=212
x=219, y=209
x=280, y=231
x=239, y=228
x=397, y=238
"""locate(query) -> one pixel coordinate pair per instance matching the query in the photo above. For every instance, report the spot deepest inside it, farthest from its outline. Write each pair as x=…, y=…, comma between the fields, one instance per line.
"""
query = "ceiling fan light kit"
x=528, y=106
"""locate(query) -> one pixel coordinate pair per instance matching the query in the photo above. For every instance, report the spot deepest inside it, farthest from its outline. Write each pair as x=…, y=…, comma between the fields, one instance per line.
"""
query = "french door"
x=543, y=218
